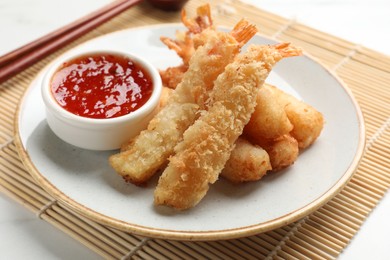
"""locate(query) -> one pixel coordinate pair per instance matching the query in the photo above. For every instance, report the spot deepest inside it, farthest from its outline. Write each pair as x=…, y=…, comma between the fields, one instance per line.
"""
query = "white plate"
x=86, y=183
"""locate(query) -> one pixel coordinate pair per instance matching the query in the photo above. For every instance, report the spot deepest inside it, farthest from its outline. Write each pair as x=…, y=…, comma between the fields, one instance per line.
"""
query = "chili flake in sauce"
x=101, y=86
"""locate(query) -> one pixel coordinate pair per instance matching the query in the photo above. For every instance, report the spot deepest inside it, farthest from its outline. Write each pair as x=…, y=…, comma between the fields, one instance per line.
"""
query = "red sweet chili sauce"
x=101, y=86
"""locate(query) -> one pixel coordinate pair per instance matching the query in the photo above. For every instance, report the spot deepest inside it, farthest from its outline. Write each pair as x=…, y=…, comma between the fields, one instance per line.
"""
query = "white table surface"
x=23, y=235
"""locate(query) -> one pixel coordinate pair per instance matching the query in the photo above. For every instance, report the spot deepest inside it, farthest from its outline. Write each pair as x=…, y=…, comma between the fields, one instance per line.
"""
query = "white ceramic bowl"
x=98, y=134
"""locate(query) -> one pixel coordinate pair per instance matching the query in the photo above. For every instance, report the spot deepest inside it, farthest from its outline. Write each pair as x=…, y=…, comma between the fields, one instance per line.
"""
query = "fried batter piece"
x=269, y=120
x=283, y=151
x=247, y=162
x=147, y=152
x=307, y=121
x=207, y=144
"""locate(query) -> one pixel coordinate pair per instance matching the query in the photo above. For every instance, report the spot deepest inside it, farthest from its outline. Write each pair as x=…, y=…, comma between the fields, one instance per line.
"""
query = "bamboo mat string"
x=378, y=133
x=284, y=28
x=287, y=236
x=135, y=249
x=8, y=141
x=347, y=58
x=45, y=208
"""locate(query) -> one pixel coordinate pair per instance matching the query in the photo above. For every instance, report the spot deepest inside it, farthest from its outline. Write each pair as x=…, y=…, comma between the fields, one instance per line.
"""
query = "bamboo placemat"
x=321, y=235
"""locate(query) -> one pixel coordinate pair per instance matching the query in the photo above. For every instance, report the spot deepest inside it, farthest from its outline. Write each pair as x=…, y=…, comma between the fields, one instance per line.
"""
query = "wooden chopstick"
x=23, y=57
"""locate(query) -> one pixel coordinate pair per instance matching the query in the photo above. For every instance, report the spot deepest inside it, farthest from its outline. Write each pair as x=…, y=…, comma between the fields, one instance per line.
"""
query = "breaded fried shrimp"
x=247, y=162
x=155, y=144
x=207, y=144
x=165, y=94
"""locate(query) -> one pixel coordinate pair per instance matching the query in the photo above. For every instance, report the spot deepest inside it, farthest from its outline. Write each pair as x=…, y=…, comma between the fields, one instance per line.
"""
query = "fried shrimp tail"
x=285, y=49
x=155, y=144
x=243, y=30
x=184, y=48
x=184, y=44
x=207, y=144
x=201, y=22
x=172, y=76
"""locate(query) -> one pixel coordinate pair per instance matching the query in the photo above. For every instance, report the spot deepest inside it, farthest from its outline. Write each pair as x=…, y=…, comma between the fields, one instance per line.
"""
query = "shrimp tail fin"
x=243, y=31
x=202, y=21
x=171, y=44
x=287, y=50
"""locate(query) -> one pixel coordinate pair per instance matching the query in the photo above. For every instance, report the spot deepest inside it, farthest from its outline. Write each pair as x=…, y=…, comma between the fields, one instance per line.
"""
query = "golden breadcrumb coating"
x=148, y=151
x=207, y=144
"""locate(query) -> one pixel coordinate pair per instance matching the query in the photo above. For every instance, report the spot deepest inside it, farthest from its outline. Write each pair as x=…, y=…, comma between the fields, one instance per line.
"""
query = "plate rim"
x=191, y=235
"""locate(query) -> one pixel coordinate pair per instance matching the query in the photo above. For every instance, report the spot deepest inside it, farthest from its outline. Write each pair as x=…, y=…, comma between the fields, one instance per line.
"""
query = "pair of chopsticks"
x=23, y=57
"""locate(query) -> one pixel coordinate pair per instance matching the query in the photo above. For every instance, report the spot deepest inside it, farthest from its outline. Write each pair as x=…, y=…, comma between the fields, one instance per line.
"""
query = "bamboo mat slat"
x=320, y=235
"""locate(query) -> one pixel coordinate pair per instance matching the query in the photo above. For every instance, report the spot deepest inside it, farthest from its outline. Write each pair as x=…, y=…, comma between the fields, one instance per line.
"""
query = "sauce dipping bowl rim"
x=138, y=114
